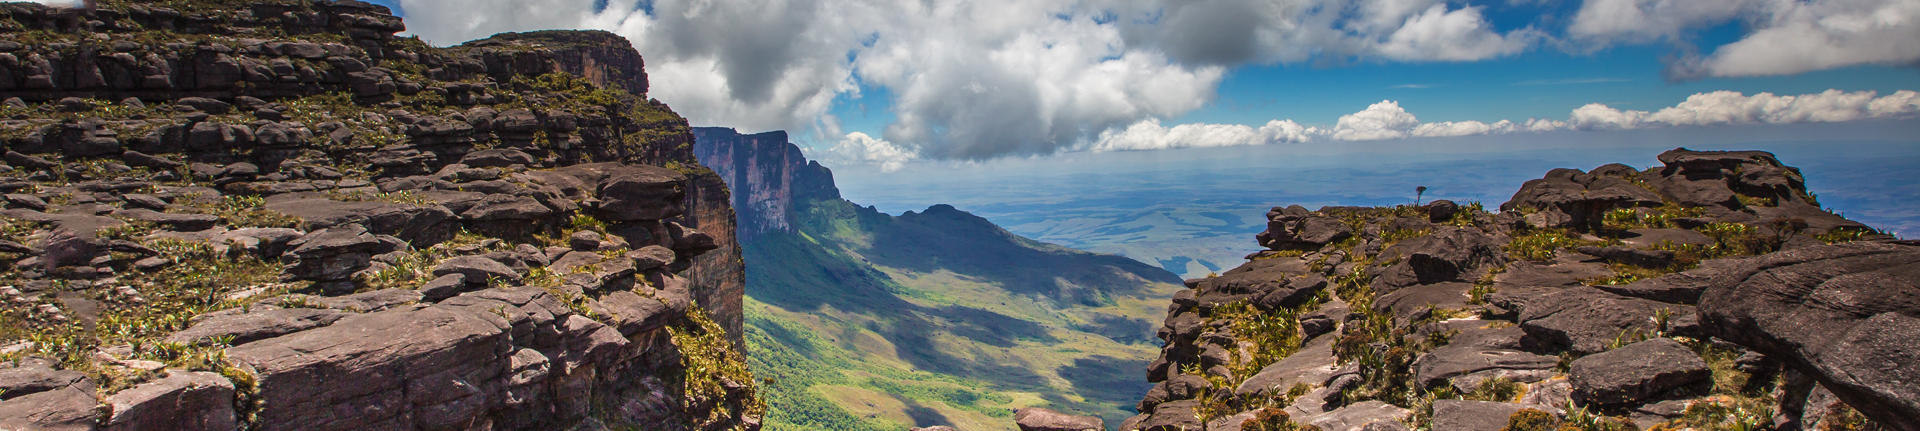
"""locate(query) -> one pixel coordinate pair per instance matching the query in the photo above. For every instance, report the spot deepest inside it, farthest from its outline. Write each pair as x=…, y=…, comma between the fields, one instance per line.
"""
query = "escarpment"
x=277, y=215
x=1711, y=292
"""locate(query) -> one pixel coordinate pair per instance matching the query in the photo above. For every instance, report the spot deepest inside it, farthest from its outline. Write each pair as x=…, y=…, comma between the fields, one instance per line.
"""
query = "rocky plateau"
x=278, y=215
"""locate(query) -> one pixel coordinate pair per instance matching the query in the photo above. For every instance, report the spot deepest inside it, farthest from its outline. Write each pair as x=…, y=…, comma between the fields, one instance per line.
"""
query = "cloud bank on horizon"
x=991, y=78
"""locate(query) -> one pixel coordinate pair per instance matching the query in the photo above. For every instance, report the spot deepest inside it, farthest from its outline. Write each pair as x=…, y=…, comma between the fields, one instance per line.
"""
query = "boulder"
x=334, y=253
x=1043, y=419
x=1585, y=320
x=1636, y=372
x=1844, y=314
x=1173, y=415
x=1292, y=231
x=651, y=257
x=1448, y=254
x=367, y=302
x=184, y=400
x=443, y=287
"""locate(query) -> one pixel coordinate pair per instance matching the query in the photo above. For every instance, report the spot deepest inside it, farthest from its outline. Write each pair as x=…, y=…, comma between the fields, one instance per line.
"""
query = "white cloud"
x=1384, y=120
x=1785, y=36
x=1150, y=135
x=858, y=148
x=1727, y=107
x=977, y=79
x=60, y=3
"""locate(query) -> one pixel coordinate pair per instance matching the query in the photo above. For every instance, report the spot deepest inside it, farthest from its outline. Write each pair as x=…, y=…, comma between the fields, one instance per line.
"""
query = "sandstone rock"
x=187, y=401
x=497, y=158
x=434, y=359
x=1042, y=419
x=206, y=105
x=640, y=193
x=1449, y=254
x=1174, y=415
x=476, y=269
x=1359, y=416
x=443, y=287
x=172, y=221
x=65, y=409
x=1843, y=314
x=1475, y=415
x=367, y=302
x=1630, y=255
x=35, y=376
x=334, y=253
x=1636, y=372
x=245, y=328
x=419, y=225
x=585, y=240
x=651, y=257
x=1312, y=365
x=1584, y=320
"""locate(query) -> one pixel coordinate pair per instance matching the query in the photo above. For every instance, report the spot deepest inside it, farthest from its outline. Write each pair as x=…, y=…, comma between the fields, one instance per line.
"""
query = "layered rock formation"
x=1710, y=292
x=769, y=176
x=278, y=215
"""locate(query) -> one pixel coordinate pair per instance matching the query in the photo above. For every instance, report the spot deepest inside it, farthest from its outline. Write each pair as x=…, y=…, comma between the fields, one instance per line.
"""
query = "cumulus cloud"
x=60, y=3
x=1785, y=37
x=978, y=79
x=1150, y=135
x=859, y=148
x=1727, y=107
x=1384, y=120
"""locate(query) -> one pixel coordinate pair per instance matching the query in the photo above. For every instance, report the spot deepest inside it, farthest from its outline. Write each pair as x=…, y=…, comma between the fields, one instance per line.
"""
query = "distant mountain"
x=864, y=321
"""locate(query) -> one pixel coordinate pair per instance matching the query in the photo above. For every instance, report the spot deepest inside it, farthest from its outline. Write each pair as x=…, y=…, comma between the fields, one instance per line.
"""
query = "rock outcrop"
x=1674, y=296
x=278, y=215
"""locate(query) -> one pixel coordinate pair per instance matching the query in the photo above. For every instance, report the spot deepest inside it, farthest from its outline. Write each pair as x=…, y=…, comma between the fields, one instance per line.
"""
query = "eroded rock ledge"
x=1709, y=292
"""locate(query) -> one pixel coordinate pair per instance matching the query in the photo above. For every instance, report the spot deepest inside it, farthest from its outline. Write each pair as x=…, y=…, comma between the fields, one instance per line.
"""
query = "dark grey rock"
x=443, y=287
x=1635, y=372
x=1842, y=313
x=1585, y=320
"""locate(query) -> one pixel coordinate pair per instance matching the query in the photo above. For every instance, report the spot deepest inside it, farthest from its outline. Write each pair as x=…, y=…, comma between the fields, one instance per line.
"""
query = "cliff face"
x=768, y=174
x=1675, y=297
x=275, y=214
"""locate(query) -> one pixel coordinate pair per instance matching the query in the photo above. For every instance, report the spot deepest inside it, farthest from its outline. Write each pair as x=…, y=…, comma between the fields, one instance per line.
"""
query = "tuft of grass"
x=1541, y=245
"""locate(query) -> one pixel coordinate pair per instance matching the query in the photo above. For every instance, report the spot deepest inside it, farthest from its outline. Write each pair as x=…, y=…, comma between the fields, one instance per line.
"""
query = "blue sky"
x=892, y=85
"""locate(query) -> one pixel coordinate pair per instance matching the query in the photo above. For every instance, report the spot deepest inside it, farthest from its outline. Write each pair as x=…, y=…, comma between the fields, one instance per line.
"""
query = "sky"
x=902, y=85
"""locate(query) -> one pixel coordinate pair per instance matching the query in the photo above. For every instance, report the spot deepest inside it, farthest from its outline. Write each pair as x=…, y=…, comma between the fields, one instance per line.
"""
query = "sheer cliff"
x=868, y=321
x=276, y=214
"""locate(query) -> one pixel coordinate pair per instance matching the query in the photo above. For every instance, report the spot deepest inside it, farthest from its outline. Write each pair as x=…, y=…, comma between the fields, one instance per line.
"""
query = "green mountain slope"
x=859, y=320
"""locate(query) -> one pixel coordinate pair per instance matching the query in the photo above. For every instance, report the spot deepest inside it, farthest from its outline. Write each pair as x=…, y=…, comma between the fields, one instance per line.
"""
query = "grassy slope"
x=864, y=321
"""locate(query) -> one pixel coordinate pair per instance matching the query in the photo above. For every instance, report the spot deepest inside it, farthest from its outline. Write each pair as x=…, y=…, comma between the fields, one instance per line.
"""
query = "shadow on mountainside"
x=946, y=238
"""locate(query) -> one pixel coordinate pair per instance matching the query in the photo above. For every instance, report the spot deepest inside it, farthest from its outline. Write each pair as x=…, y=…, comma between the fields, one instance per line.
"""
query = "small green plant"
x=1532, y=420
x=1845, y=234
x=1543, y=244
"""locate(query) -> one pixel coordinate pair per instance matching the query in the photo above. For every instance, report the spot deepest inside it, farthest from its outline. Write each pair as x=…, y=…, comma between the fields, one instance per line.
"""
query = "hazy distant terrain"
x=1197, y=216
